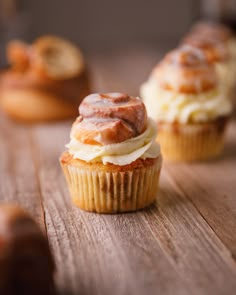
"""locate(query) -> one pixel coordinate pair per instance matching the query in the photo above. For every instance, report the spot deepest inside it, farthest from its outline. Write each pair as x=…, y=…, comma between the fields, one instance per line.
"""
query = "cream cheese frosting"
x=226, y=73
x=172, y=106
x=123, y=153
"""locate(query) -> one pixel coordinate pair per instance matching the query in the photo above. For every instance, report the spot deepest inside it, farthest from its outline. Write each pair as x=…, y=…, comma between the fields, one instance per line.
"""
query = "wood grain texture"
x=183, y=244
x=19, y=183
x=211, y=187
x=95, y=253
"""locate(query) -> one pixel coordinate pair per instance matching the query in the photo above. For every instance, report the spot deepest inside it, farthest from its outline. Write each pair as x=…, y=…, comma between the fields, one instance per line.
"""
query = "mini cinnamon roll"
x=212, y=30
x=215, y=51
x=183, y=96
x=112, y=150
x=26, y=262
x=109, y=118
x=216, y=42
x=185, y=70
x=47, y=80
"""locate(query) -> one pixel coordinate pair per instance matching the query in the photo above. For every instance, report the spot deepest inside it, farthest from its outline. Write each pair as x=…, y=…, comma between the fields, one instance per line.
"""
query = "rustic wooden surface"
x=183, y=244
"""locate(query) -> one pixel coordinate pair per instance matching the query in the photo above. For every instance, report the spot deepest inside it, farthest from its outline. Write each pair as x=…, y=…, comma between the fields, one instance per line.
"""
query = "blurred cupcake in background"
x=183, y=96
x=46, y=80
x=219, y=45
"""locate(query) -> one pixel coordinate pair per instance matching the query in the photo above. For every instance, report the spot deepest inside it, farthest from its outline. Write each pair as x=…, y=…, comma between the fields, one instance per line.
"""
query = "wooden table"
x=184, y=244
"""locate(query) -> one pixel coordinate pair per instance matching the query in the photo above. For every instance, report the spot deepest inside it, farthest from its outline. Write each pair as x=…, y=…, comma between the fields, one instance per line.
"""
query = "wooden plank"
x=167, y=248
x=98, y=254
x=211, y=187
x=195, y=250
x=181, y=245
x=19, y=183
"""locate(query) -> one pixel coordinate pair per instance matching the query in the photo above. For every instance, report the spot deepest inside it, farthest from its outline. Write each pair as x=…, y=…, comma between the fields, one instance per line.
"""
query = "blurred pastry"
x=113, y=162
x=217, y=32
x=26, y=263
x=46, y=80
x=183, y=97
x=213, y=30
x=219, y=45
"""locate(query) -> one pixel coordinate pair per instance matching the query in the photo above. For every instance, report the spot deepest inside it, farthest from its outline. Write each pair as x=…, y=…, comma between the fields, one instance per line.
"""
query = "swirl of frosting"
x=171, y=106
x=109, y=118
x=185, y=70
x=142, y=146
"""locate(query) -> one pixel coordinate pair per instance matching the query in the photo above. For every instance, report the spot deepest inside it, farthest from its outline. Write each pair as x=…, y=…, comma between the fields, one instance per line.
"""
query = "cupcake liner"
x=112, y=191
x=191, y=142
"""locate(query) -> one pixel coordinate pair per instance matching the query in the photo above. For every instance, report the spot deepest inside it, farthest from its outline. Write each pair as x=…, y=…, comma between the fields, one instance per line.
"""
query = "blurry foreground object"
x=26, y=263
x=46, y=80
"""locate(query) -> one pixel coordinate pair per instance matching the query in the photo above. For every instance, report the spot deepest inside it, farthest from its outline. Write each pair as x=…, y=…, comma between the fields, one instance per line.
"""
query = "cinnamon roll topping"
x=185, y=70
x=214, y=50
x=212, y=30
x=109, y=118
x=186, y=57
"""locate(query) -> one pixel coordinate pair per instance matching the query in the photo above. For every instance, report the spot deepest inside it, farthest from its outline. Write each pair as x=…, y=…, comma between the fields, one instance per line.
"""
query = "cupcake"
x=217, y=43
x=45, y=81
x=182, y=95
x=113, y=161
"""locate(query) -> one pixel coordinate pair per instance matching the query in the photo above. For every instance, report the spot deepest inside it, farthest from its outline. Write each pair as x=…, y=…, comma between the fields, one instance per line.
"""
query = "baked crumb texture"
x=111, y=188
x=192, y=142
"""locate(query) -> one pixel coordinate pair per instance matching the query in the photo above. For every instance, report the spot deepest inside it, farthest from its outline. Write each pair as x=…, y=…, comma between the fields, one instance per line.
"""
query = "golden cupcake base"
x=110, y=188
x=192, y=142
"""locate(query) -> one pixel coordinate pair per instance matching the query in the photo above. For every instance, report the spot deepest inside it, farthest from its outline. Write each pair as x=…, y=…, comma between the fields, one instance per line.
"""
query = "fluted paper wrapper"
x=191, y=143
x=112, y=192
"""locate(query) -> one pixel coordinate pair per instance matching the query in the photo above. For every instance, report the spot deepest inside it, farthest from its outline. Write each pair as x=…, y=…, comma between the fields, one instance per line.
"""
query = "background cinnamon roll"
x=26, y=263
x=185, y=70
x=212, y=30
x=219, y=45
x=183, y=96
x=46, y=81
x=113, y=161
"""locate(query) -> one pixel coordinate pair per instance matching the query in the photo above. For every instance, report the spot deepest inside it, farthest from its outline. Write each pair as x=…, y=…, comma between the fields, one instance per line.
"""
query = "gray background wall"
x=103, y=23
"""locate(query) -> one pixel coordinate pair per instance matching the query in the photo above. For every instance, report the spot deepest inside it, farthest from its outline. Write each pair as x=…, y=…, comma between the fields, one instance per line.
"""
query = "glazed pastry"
x=26, y=263
x=222, y=34
x=217, y=42
x=217, y=32
x=183, y=97
x=113, y=162
x=47, y=80
x=213, y=30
